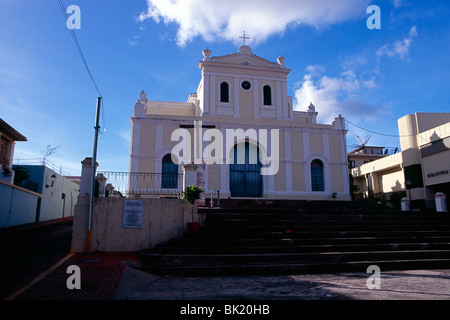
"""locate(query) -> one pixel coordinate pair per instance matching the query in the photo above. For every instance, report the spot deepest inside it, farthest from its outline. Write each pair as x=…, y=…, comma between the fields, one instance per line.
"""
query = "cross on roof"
x=244, y=38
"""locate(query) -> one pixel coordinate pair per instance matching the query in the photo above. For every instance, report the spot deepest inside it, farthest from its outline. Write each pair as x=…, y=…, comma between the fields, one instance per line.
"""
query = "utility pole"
x=94, y=162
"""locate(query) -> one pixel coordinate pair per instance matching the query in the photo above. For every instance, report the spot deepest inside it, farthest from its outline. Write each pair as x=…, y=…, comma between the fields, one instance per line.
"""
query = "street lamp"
x=53, y=179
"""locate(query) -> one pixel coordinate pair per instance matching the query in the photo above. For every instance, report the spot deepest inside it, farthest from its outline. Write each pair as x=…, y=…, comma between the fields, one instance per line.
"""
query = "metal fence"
x=41, y=162
x=138, y=183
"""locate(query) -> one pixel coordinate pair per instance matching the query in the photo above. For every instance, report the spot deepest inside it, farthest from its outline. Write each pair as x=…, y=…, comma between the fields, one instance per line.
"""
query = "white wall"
x=53, y=206
x=17, y=205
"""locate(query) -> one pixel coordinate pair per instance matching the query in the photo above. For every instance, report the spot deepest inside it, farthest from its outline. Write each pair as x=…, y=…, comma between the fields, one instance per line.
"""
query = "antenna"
x=362, y=142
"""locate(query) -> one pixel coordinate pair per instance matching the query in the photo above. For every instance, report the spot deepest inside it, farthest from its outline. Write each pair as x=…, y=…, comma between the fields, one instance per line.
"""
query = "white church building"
x=241, y=104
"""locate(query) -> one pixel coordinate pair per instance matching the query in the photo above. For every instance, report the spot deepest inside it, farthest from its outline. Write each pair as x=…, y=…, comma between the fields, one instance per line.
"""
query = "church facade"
x=243, y=135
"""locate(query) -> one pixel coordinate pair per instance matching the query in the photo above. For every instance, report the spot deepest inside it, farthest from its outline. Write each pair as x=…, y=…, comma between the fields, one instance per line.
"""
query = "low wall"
x=17, y=205
x=162, y=219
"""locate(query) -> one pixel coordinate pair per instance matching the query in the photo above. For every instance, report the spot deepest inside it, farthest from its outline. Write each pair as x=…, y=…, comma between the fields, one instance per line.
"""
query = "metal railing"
x=138, y=183
x=41, y=162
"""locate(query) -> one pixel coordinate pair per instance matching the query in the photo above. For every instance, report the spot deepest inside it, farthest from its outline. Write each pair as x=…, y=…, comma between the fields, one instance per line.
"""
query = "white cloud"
x=133, y=42
x=125, y=135
x=398, y=3
x=260, y=19
x=336, y=95
x=399, y=48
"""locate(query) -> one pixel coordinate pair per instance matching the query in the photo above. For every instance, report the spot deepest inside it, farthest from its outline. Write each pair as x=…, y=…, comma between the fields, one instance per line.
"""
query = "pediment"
x=245, y=60
x=245, y=57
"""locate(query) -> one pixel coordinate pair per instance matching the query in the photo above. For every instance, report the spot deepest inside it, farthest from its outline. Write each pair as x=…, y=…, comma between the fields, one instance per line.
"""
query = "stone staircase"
x=262, y=237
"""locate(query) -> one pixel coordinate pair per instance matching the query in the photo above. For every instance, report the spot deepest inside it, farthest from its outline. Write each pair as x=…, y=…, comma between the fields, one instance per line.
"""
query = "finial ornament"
x=206, y=54
x=281, y=60
x=143, y=96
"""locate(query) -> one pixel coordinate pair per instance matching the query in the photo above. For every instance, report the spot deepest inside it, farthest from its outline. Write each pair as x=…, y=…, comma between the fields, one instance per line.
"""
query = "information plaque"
x=132, y=214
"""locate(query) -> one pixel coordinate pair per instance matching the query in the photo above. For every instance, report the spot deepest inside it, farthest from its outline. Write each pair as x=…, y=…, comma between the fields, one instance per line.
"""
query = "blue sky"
x=371, y=77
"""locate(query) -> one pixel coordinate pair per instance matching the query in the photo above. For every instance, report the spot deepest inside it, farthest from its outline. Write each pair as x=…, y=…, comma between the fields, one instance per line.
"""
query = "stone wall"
x=162, y=219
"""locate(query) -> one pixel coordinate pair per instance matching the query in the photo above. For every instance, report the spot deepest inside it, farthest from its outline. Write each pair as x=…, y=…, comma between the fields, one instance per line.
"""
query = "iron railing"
x=41, y=162
x=138, y=183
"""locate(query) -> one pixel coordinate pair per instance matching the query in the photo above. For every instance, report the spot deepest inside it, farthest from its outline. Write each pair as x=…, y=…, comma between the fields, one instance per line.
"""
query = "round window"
x=246, y=85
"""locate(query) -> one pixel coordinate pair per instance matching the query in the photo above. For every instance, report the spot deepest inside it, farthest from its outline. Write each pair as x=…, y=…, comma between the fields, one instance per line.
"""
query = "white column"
x=326, y=145
x=280, y=107
x=288, y=107
x=288, y=159
x=158, y=137
x=270, y=180
x=212, y=97
x=86, y=177
x=224, y=169
x=306, y=152
x=135, y=145
x=189, y=175
x=102, y=184
x=345, y=174
x=308, y=186
x=306, y=147
x=236, y=99
x=256, y=103
x=206, y=102
x=327, y=177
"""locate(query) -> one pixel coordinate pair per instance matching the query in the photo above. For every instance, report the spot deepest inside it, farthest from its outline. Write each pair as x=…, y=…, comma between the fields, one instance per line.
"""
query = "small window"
x=267, y=91
x=224, y=92
x=317, y=180
x=169, y=179
x=246, y=85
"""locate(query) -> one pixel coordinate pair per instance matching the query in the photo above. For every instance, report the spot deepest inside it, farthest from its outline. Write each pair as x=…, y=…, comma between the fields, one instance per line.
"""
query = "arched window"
x=267, y=91
x=317, y=180
x=224, y=92
x=169, y=179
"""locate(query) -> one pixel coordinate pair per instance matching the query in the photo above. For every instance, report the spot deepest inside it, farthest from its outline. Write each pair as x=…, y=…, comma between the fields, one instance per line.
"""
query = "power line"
x=83, y=59
x=77, y=45
x=381, y=134
x=390, y=135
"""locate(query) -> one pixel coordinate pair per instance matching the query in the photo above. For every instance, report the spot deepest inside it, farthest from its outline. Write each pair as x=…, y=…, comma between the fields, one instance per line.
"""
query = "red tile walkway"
x=101, y=274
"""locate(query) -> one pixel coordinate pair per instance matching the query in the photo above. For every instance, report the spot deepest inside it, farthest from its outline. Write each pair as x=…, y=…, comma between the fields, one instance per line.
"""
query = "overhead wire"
x=379, y=133
x=388, y=135
x=80, y=51
x=83, y=59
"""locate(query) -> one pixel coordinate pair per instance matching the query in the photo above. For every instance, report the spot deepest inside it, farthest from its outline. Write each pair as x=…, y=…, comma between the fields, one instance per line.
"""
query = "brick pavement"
x=101, y=274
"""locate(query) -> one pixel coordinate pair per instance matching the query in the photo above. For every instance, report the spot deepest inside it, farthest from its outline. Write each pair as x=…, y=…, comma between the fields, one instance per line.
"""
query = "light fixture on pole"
x=53, y=179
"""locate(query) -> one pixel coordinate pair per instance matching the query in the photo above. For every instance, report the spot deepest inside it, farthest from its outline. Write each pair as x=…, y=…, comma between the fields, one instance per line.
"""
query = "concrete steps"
x=303, y=238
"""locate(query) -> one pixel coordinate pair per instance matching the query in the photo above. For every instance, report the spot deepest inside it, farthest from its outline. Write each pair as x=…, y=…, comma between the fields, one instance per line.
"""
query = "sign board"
x=438, y=173
x=132, y=213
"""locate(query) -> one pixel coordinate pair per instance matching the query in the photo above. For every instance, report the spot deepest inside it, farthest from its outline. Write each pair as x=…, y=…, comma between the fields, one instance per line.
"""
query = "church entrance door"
x=245, y=177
